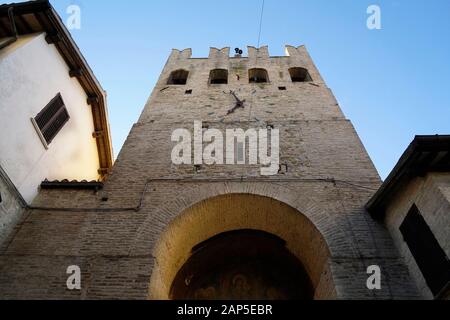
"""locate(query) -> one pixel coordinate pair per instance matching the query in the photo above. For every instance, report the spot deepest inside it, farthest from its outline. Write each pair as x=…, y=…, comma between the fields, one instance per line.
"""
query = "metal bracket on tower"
x=239, y=103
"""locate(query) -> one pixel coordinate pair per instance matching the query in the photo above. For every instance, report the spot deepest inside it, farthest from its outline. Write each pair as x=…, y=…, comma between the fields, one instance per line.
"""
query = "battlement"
x=253, y=53
x=258, y=66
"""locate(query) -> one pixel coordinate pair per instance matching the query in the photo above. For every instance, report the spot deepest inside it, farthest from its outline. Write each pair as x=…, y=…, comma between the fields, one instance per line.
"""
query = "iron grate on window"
x=52, y=118
x=426, y=250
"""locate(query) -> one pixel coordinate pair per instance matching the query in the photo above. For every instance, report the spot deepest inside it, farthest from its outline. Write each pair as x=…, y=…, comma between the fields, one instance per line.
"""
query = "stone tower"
x=160, y=230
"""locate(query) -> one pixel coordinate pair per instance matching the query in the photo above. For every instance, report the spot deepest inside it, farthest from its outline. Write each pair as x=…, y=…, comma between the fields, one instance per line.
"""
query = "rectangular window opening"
x=426, y=250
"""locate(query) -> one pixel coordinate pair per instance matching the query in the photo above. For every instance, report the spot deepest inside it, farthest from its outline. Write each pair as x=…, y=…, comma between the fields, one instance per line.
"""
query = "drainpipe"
x=14, y=29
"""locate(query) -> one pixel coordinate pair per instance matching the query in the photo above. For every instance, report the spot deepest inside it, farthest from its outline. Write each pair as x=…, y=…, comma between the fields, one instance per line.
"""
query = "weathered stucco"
x=32, y=74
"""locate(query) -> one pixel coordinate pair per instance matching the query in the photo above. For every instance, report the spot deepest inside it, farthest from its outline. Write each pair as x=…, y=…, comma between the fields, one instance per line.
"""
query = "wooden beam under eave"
x=25, y=25
x=5, y=30
x=76, y=73
x=98, y=134
x=53, y=38
x=94, y=93
x=104, y=171
x=92, y=100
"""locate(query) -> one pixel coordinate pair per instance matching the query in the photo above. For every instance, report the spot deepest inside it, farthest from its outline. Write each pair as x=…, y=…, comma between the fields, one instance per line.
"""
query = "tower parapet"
x=180, y=54
x=295, y=57
x=300, y=57
x=257, y=55
x=253, y=53
x=223, y=53
x=218, y=58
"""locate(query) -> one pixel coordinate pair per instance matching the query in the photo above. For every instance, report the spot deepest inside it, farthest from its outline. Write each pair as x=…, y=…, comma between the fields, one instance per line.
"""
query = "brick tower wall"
x=326, y=174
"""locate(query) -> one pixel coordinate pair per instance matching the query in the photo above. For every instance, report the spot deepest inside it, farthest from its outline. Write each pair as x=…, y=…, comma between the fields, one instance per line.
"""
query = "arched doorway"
x=242, y=265
x=185, y=245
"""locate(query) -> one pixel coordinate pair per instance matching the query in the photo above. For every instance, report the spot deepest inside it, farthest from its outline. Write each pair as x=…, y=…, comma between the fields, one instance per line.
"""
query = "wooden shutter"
x=426, y=250
x=52, y=118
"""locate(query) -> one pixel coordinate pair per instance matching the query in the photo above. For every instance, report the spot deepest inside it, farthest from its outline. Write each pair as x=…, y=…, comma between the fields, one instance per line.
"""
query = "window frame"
x=54, y=117
x=426, y=251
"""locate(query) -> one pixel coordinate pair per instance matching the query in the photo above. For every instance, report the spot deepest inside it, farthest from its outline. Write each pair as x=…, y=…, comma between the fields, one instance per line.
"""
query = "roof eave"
x=57, y=34
x=407, y=168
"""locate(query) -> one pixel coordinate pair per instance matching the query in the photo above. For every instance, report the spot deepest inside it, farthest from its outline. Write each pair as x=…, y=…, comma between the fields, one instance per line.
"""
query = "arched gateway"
x=241, y=246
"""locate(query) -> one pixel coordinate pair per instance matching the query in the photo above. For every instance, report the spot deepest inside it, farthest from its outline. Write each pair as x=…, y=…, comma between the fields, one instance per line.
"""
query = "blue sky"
x=392, y=83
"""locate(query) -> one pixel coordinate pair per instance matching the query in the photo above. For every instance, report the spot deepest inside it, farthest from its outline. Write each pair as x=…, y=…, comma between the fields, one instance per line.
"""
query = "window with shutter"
x=52, y=119
x=426, y=250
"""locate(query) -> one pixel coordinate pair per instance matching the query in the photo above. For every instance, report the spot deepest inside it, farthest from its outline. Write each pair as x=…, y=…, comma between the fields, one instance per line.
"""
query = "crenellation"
x=179, y=55
x=219, y=54
x=257, y=56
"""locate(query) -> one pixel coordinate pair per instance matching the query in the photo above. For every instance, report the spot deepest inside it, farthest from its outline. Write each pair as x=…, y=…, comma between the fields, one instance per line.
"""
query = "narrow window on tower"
x=51, y=120
x=258, y=75
x=426, y=250
x=218, y=76
x=178, y=77
x=300, y=75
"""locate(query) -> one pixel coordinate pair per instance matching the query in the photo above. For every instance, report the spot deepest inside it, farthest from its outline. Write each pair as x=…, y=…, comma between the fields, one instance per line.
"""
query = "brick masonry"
x=329, y=179
x=431, y=195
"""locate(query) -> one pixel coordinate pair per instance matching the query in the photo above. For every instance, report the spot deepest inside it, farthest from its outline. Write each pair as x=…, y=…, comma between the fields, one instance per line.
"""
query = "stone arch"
x=161, y=231
x=242, y=265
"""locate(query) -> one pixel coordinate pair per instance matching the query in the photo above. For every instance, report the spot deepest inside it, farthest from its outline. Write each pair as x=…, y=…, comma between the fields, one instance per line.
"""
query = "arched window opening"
x=178, y=77
x=218, y=76
x=299, y=75
x=258, y=75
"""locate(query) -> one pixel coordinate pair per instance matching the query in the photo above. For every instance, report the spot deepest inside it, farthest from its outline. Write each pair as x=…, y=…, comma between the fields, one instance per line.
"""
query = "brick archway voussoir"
x=156, y=222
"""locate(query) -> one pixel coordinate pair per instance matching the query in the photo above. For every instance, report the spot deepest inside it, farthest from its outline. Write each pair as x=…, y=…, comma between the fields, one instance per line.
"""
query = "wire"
x=356, y=185
x=261, y=22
